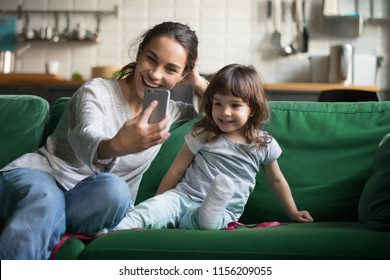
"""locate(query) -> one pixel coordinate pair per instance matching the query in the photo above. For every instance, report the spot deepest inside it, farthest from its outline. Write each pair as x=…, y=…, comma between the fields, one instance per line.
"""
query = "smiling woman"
x=99, y=150
x=160, y=65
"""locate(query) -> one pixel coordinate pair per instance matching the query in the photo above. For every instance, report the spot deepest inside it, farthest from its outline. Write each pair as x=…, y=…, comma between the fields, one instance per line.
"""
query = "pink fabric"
x=64, y=239
x=234, y=225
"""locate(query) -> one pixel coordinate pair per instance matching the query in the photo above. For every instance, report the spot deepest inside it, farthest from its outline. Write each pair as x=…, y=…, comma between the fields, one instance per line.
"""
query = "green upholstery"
x=328, y=150
x=325, y=240
x=23, y=121
x=327, y=154
x=74, y=247
x=374, y=204
x=56, y=113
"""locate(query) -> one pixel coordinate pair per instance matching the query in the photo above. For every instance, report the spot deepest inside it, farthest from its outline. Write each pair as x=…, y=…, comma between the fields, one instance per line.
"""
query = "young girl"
x=86, y=177
x=209, y=182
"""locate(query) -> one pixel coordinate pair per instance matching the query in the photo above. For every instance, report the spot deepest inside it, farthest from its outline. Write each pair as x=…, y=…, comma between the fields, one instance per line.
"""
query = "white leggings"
x=172, y=209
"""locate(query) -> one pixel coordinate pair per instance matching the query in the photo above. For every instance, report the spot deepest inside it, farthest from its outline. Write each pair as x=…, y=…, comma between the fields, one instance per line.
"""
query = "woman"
x=85, y=178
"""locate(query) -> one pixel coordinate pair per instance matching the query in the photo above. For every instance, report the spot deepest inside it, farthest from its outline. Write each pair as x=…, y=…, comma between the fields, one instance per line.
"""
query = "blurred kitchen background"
x=288, y=41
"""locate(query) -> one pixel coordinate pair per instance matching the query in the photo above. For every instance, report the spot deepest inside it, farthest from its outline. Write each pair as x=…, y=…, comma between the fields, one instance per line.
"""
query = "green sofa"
x=330, y=158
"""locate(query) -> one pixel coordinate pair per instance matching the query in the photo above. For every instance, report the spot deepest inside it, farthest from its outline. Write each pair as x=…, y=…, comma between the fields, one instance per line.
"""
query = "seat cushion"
x=374, y=203
x=56, y=113
x=325, y=240
x=22, y=120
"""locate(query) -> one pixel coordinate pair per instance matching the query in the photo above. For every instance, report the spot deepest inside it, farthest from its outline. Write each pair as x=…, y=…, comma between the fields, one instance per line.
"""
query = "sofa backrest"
x=23, y=121
x=327, y=158
x=327, y=151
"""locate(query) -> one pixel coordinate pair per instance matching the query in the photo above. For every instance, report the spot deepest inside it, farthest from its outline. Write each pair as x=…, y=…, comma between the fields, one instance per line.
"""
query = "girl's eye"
x=236, y=106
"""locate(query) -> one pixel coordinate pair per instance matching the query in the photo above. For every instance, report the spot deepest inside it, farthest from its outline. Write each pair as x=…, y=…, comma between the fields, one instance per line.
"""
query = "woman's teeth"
x=150, y=84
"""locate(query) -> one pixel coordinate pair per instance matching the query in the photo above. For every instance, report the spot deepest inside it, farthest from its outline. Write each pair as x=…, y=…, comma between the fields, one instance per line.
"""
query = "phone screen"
x=162, y=96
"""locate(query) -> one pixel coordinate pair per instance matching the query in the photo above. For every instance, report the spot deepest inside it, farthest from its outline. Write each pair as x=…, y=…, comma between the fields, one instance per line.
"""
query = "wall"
x=229, y=31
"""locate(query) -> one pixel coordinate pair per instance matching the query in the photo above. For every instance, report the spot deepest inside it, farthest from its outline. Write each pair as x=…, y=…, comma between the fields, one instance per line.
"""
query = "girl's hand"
x=302, y=217
x=136, y=135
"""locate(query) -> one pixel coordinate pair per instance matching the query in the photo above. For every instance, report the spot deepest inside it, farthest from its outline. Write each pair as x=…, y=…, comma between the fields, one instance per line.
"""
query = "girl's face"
x=231, y=113
x=159, y=65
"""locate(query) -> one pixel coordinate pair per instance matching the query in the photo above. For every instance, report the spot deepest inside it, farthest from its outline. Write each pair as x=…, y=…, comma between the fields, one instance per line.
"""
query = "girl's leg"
x=97, y=202
x=190, y=220
x=33, y=208
x=161, y=211
x=211, y=211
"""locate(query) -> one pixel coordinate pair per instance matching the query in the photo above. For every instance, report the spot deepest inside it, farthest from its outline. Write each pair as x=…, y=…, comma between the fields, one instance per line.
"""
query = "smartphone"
x=162, y=96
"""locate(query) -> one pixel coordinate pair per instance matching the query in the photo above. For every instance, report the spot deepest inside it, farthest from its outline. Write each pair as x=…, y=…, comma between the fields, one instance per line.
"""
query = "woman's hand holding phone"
x=162, y=96
x=136, y=135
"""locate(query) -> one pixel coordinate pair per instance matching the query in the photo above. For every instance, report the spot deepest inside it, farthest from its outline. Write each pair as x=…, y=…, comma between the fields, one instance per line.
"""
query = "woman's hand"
x=136, y=135
x=195, y=80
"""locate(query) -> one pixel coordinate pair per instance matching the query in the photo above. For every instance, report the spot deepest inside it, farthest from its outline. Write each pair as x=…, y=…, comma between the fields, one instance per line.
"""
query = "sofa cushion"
x=56, y=113
x=23, y=121
x=374, y=204
x=327, y=240
x=325, y=151
x=327, y=157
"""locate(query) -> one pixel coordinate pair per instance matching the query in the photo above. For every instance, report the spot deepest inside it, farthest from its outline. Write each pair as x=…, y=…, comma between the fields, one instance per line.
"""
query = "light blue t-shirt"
x=241, y=162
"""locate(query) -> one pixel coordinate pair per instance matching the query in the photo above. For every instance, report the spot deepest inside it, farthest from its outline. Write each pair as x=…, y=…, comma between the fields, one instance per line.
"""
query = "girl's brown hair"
x=243, y=82
x=181, y=33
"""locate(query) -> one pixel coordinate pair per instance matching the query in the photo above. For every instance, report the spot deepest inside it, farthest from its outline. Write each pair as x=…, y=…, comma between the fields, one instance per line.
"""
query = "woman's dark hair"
x=243, y=82
x=181, y=33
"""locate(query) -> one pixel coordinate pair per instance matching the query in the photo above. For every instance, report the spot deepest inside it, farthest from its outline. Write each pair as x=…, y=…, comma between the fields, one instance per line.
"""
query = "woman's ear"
x=182, y=79
x=138, y=54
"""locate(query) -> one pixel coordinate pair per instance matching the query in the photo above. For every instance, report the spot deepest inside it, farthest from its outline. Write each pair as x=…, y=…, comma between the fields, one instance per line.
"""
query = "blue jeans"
x=37, y=210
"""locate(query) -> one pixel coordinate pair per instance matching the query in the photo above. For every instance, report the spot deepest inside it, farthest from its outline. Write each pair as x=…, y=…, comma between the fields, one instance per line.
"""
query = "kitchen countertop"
x=316, y=87
x=24, y=79
x=57, y=80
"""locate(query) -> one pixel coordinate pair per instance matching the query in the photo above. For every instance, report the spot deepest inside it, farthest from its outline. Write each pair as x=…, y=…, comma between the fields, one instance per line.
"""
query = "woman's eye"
x=174, y=70
x=152, y=59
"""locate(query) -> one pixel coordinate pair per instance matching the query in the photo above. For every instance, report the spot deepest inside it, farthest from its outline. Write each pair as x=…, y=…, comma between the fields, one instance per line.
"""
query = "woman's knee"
x=113, y=188
x=31, y=186
x=106, y=188
x=103, y=199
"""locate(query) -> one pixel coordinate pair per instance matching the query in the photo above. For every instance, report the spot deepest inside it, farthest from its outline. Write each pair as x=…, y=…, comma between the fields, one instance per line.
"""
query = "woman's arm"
x=176, y=170
x=282, y=191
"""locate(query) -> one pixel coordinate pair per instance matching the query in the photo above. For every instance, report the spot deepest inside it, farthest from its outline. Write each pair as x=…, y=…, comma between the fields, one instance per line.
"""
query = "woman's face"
x=160, y=65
